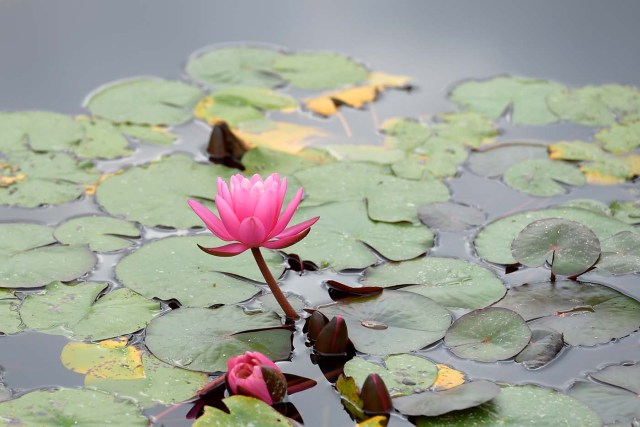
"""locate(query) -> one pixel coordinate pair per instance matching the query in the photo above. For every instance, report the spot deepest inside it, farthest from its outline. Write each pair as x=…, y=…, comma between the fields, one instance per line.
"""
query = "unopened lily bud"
x=254, y=374
x=315, y=323
x=375, y=396
x=333, y=338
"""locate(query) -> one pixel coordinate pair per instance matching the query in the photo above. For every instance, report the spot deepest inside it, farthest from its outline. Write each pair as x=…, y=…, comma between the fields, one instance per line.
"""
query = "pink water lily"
x=251, y=215
x=246, y=376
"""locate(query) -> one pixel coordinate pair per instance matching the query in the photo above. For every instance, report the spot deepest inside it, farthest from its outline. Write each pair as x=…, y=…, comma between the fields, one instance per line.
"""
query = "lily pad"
x=340, y=241
x=30, y=180
x=317, y=71
x=469, y=128
x=526, y=97
x=166, y=186
x=498, y=159
x=493, y=243
x=434, y=403
x=112, y=359
x=147, y=100
x=41, y=130
x=525, y=405
x=451, y=216
x=543, y=177
x=263, y=160
x=391, y=322
x=586, y=314
x=453, y=283
x=68, y=406
x=365, y=153
x=568, y=246
x=201, y=339
x=590, y=205
x=403, y=374
x=101, y=140
x=626, y=212
x=77, y=312
x=231, y=66
x=488, y=335
x=10, y=322
x=243, y=411
x=30, y=259
x=620, y=137
x=405, y=134
x=101, y=233
x=176, y=268
x=543, y=348
x=158, y=135
x=615, y=397
x=437, y=156
x=620, y=254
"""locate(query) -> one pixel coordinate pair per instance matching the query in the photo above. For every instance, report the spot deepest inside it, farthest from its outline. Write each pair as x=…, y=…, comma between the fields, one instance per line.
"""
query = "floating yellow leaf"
x=111, y=359
x=287, y=137
x=447, y=378
x=377, y=421
x=90, y=189
x=384, y=80
x=355, y=97
x=323, y=105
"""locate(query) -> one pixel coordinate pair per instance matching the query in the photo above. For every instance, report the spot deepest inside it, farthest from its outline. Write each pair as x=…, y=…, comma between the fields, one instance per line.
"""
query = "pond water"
x=54, y=55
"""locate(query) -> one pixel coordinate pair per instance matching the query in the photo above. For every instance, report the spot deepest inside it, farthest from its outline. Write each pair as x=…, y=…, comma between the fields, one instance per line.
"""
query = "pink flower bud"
x=254, y=374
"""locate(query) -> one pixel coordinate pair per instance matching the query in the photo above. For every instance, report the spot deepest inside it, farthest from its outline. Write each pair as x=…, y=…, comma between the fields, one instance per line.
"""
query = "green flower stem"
x=289, y=311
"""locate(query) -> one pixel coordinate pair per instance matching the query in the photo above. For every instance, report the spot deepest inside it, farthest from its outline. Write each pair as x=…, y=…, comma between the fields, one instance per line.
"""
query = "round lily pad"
x=496, y=160
x=404, y=134
x=585, y=313
x=620, y=254
x=403, y=374
x=516, y=406
x=620, y=137
x=391, y=322
x=101, y=233
x=238, y=65
x=543, y=348
x=454, y=283
x=146, y=100
x=626, y=212
x=493, y=243
x=568, y=246
x=488, y=335
x=165, y=185
x=319, y=70
x=201, y=339
x=434, y=403
x=176, y=268
x=451, y=216
x=41, y=130
x=29, y=257
x=615, y=396
x=469, y=128
x=75, y=311
x=101, y=140
x=70, y=407
x=243, y=411
x=543, y=177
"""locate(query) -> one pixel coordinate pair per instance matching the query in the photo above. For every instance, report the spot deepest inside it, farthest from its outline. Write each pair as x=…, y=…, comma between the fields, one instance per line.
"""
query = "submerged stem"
x=289, y=311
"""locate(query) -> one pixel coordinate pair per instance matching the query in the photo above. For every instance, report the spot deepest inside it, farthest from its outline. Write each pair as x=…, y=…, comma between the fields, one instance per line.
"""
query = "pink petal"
x=255, y=386
x=258, y=358
x=231, y=382
x=210, y=220
x=287, y=214
x=226, y=250
x=255, y=178
x=252, y=232
x=287, y=241
x=266, y=211
x=228, y=217
x=223, y=190
x=243, y=204
x=295, y=229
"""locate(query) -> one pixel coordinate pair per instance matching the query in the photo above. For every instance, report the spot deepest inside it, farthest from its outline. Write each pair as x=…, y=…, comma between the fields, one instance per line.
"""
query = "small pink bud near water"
x=375, y=396
x=254, y=374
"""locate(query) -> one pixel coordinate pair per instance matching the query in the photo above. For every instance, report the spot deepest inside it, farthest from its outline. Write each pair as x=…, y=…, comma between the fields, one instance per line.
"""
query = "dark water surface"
x=52, y=54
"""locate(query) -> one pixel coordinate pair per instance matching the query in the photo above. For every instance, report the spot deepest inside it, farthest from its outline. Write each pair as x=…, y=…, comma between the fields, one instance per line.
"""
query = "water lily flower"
x=254, y=374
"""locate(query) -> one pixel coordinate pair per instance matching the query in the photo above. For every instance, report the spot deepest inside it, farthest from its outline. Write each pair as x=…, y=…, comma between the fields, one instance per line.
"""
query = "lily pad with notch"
x=488, y=335
x=201, y=339
x=38, y=130
x=497, y=159
x=626, y=212
x=620, y=137
x=543, y=348
x=543, y=177
x=101, y=233
x=10, y=322
x=391, y=322
x=451, y=216
x=242, y=411
x=317, y=71
x=620, y=254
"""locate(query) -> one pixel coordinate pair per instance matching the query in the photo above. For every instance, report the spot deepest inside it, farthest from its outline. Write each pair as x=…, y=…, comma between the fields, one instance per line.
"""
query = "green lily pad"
x=620, y=254
x=202, y=339
x=340, y=241
x=437, y=156
x=101, y=140
x=42, y=130
x=516, y=406
x=469, y=128
x=543, y=348
x=146, y=100
x=488, y=335
x=30, y=259
x=391, y=322
x=101, y=233
x=405, y=134
x=626, y=212
x=594, y=105
x=68, y=406
x=568, y=246
x=268, y=302
x=166, y=185
x=365, y=153
x=74, y=311
x=498, y=159
x=403, y=374
x=176, y=268
x=493, y=243
x=453, y=283
x=586, y=314
x=451, y=216
x=10, y=322
x=543, y=177
x=317, y=71
x=390, y=199
x=231, y=66
x=150, y=134
x=615, y=397
x=527, y=98
x=243, y=411
x=595, y=206
x=620, y=137
x=434, y=403
x=264, y=161
x=30, y=180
